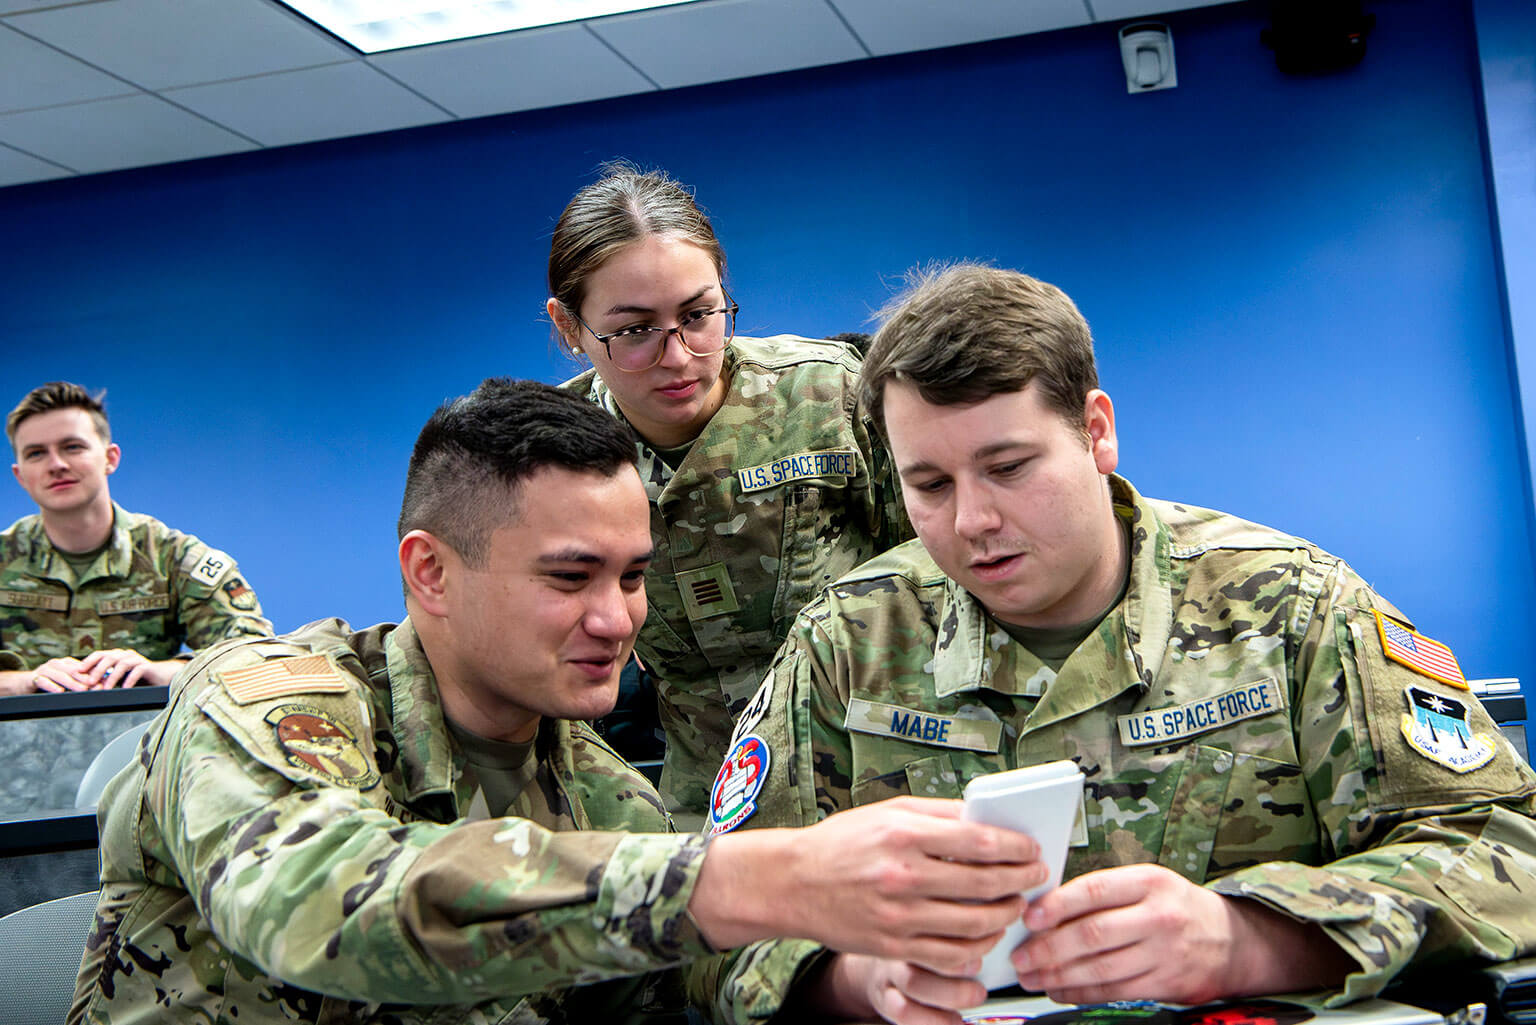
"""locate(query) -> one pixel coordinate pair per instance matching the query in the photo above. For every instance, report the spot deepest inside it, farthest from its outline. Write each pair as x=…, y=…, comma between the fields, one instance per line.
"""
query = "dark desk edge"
x=46, y=832
x=88, y=702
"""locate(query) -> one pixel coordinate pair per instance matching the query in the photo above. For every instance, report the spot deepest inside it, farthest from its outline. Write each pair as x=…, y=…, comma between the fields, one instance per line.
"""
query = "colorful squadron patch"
x=1422, y=654
x=1436, y=727
x=240, y=596
x=734, y=796
x=317, y=743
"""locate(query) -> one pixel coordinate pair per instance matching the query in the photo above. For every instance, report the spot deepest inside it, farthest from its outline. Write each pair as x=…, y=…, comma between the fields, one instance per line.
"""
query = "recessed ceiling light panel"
x=373, y=26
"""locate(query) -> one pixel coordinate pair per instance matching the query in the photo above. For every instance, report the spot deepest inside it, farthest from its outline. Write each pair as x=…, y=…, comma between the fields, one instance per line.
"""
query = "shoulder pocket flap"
x=308, y=737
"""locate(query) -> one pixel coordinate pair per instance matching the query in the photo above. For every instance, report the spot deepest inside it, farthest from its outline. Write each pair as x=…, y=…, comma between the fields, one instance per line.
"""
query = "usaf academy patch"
x=1436, y=727
x=733, y=798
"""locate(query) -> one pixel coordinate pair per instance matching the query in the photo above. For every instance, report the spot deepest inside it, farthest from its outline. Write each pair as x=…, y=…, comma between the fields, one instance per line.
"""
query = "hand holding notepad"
x=1040, y=801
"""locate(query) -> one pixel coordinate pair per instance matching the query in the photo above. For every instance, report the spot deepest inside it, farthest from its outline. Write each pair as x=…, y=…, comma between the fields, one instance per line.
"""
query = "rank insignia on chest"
x=1435, y=726
x=322, y=744
x=802, y=466
x=733, y=798
x=707, y=592
x=1423, y=655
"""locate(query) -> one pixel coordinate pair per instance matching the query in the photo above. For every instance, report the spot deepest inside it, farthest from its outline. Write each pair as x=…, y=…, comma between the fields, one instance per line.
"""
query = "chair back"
x=114, y=754
x=42, y=946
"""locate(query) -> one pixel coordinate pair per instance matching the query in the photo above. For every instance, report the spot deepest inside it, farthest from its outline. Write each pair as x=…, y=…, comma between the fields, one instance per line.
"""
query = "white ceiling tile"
x=1114, y=10
x=109, y=134
x=303, y=106
x=40, y=76
x=161, y=43
x=16, y=168
x=679, y=46
x=515, y=71
x=901, y=26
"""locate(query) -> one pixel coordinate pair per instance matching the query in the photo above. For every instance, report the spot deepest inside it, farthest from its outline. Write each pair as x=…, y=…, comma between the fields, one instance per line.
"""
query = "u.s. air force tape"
x=969, y=731
x=1166, y=725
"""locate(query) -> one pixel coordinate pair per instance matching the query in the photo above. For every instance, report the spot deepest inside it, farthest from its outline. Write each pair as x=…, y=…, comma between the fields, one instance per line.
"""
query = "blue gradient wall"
x=1292, y=282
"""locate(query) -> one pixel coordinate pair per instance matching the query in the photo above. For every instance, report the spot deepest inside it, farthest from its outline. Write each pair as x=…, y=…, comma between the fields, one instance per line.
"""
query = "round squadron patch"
x=318, y=743
x=1435, y=726
x=733, y=798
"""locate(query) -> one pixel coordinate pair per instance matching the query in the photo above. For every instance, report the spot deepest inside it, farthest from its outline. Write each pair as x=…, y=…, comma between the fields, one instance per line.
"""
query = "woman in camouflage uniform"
x=764, y=477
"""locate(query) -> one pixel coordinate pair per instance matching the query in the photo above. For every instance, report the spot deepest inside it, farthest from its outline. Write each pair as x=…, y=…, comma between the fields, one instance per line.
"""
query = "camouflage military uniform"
x=293, y=828
x=1236, y=717
x=152, y=589
x=783, y=492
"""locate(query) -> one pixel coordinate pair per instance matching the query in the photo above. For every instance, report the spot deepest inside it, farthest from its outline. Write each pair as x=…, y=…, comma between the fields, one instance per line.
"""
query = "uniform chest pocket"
x=1201, y=811
x=37, y=623
x=939, y=775
x=149, y=631
x=822, y=540
x=336, y=1011
x=1162, y=807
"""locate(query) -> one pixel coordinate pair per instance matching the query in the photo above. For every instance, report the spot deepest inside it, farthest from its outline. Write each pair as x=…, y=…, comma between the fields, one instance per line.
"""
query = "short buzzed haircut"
x=45, y=398
x=475, y=451
x=964, y=333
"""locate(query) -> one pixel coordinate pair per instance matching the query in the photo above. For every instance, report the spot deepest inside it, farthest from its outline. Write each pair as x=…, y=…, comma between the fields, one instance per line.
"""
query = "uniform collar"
x=116, y=560
x=972, y=652
x=428, y=762
x=663, y=484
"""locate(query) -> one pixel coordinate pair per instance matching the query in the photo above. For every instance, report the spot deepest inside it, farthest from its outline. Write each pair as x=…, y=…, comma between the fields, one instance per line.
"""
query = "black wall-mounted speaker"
x=1315, y=36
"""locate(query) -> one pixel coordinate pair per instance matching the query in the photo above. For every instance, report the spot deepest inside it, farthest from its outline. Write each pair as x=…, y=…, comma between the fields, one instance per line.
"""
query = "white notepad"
x=1040, y=801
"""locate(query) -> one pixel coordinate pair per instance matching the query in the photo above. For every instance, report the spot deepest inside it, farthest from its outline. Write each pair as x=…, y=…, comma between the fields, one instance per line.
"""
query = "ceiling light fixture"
x=374, y=26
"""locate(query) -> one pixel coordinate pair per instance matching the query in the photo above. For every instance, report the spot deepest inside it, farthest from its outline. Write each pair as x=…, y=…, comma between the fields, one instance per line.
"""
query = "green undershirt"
x=674, y=457
x=82, y=561
x=497, y=765
x=1053, y=645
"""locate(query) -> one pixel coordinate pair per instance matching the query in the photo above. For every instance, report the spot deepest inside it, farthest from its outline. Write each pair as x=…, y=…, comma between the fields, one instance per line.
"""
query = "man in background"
x=92, y=595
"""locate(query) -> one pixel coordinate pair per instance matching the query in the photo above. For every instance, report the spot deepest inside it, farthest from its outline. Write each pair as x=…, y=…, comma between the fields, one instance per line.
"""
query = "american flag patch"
x=1419, y=653
x=279, y=677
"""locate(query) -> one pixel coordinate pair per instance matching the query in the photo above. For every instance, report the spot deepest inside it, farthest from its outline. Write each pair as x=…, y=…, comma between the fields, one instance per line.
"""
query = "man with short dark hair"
x=413, y=823
x=92, y=595
x=1286, y=786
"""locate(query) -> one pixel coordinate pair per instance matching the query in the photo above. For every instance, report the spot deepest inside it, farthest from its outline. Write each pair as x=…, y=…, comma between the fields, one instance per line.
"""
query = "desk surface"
x=1039, y=1010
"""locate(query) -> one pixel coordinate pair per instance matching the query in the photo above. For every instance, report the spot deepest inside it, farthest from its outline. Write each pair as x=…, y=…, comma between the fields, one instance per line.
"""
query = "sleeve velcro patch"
x=280, y=677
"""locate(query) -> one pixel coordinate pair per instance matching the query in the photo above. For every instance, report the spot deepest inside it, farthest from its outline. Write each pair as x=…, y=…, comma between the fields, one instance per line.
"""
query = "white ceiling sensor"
x=374, y=26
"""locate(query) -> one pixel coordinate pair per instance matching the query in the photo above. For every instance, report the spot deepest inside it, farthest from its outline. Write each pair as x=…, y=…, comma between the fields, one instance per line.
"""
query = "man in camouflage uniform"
x=92, y=595
x=783, y=492
x=1286, y=786
x=411, y=823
